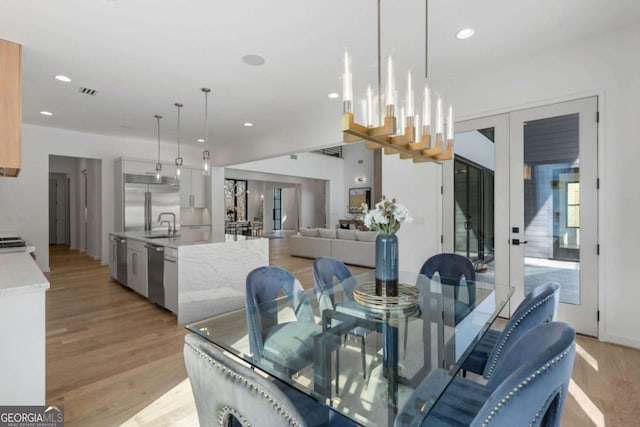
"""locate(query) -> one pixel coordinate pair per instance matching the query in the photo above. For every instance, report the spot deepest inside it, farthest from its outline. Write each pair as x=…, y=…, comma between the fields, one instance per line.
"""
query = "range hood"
x=10, y=108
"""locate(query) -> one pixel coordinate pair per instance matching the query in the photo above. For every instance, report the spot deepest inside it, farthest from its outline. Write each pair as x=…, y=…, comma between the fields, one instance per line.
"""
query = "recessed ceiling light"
x=333, y=95
x=253, y=60
x=200, y=140
x=46, y=113
x=465, y=33
x=248, y=124
x=63, y=78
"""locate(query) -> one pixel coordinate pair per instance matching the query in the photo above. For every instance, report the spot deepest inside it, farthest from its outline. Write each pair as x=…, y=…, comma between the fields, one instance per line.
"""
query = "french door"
x=545, y=207
x=554, y=205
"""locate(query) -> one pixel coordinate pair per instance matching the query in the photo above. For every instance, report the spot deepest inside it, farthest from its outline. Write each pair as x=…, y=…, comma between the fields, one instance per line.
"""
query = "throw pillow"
x=346, y=234
x=327, y=233
x=366, y=236
x=309, y=232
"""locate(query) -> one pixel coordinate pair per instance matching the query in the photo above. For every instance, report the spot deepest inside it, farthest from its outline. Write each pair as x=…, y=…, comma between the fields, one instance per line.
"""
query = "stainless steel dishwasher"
x=155, y=273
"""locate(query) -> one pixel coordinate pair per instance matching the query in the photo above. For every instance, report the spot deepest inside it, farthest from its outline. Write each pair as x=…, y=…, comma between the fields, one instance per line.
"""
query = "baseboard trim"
x=624, y=341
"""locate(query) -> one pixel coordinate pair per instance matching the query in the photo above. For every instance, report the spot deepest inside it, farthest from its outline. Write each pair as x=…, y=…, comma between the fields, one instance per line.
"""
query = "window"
x=573, y=204
x=235, y=199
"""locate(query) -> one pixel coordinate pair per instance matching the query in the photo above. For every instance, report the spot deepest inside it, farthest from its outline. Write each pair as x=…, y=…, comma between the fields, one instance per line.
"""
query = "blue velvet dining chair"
x=529, y=386
x=456, y=271
x=227, y=392
x=327, y=272
x=539, y=306
x=452, y=269
x=288, y=344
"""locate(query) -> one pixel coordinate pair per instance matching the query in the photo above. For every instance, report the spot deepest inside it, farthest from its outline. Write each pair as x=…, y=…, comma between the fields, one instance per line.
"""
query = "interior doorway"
x=75, y=203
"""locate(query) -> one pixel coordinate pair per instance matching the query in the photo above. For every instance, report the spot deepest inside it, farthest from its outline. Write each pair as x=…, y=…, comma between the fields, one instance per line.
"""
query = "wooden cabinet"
x=10, y=108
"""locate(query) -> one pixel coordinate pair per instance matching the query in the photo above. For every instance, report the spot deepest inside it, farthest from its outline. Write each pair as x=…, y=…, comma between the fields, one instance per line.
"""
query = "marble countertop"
x=184, y=238
x=19, y=273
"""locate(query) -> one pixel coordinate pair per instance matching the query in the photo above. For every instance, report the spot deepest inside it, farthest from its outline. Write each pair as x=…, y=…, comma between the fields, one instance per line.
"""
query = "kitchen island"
x=195, y=274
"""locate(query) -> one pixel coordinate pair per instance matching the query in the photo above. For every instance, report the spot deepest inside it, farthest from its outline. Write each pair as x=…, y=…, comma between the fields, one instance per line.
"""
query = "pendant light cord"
x=379, y=71
x=179, y=106
x=426, y=39
x=158, y=117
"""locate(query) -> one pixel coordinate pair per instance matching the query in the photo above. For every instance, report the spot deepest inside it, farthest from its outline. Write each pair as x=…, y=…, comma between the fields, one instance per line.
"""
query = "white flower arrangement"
x=386, y=216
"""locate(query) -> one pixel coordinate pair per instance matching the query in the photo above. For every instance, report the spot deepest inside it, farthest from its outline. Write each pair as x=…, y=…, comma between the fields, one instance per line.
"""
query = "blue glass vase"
x=387, y=265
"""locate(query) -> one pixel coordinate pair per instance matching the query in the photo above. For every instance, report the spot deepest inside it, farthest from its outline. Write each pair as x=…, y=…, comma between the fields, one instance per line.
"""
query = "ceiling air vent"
x=87, y=91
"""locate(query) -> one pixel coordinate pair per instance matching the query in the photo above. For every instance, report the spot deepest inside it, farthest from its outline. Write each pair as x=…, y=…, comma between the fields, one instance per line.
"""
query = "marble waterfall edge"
x=212, y=277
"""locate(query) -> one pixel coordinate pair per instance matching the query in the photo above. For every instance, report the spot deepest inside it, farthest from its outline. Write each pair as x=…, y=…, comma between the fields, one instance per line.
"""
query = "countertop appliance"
x=12, y=243
x=145, y=198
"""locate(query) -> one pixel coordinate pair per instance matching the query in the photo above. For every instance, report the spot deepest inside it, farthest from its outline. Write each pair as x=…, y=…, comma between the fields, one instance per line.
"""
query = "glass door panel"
x=554, y=205
x=474, y=221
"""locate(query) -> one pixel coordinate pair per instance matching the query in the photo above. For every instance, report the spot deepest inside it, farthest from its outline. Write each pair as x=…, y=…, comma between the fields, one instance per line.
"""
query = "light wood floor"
x=113, y=358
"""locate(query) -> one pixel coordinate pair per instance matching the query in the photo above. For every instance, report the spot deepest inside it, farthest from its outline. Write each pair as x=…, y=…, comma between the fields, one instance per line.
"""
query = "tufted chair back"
x=229, y=393
x=531, y=382
x=539, y=306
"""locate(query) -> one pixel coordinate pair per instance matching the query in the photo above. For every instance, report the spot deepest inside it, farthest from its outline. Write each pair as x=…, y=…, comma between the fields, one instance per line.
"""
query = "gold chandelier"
x=411, y=138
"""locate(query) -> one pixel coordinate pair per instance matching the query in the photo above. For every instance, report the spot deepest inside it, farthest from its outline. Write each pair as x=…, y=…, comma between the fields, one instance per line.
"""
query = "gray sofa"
x=349, y=246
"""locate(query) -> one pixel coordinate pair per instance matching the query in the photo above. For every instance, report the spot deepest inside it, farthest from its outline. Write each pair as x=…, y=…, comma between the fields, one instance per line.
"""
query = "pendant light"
x=158, y=165
x=206, y=156
x=178, y=159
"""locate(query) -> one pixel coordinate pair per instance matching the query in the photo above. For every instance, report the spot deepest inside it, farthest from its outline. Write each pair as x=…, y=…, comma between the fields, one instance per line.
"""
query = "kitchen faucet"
x=172, y=230
x=169, y=223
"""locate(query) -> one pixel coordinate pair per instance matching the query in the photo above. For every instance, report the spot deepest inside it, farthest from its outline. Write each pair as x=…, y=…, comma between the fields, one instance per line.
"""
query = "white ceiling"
x=144, y=55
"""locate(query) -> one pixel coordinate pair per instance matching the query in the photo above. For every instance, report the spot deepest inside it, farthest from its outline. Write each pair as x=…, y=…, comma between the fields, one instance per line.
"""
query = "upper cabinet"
x=192, y=189
x=10, y=108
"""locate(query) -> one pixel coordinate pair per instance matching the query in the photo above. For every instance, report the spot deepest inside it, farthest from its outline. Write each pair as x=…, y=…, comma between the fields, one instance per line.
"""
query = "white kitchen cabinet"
x=197, y=189
x=171, y=282
x=185, y=188
x=137, y=271
x=192, y=189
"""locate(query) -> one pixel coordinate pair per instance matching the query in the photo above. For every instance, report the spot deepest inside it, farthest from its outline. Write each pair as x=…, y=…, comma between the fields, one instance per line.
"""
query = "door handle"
x=517, y=242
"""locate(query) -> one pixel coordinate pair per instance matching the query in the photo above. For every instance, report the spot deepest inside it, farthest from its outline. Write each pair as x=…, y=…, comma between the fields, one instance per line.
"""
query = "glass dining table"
x=429, y=329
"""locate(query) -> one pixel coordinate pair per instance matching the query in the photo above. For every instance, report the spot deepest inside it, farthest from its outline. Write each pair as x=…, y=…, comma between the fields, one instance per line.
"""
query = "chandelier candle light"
x=409, y=139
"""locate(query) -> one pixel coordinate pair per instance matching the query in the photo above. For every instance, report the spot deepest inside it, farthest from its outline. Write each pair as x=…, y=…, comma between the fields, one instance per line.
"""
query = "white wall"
x=307, y=165
x=352, y=154
x=25, y=198
x=606, y=65
x=289, y=205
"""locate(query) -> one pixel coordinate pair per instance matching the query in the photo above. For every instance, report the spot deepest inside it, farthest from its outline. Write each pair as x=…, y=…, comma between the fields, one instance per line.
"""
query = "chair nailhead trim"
x=292, y=422
x=496, y=357
x=225, y=411
x=524, y=383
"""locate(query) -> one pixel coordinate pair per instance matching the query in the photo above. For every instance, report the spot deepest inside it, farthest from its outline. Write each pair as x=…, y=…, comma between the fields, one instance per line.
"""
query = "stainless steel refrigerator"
x=145, y=198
